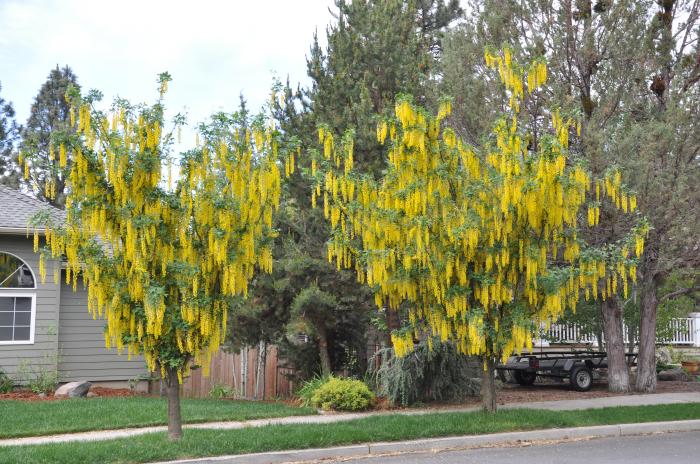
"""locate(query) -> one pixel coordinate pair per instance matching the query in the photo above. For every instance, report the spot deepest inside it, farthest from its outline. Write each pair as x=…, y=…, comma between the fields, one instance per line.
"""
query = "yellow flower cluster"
x=161, y=262
x=469, y=237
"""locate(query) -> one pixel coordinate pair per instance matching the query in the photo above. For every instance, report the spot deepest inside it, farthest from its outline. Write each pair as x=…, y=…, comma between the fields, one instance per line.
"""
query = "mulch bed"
x=101, y=392
x=549, y=391
x=509, y=393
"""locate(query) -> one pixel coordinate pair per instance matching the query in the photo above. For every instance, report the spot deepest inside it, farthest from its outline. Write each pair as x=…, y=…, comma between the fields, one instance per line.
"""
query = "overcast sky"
x=215, y=50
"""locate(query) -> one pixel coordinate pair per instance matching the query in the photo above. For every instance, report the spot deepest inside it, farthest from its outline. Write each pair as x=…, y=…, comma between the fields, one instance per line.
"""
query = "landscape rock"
x=92, y=395
x=676, y=374
x=663, y=355
x=73, y=390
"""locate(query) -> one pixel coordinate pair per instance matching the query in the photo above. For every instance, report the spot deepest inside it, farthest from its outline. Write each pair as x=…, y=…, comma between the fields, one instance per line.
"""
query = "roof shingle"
x=17, y=209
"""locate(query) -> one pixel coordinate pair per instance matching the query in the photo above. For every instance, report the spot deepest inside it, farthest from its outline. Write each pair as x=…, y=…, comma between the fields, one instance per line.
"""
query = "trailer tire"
x=501, y=374
x=581, y=379
x=524, y=377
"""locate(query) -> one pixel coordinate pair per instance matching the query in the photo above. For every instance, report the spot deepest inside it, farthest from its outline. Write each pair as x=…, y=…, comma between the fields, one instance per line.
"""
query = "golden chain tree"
x=479, y=246
x=163, y=259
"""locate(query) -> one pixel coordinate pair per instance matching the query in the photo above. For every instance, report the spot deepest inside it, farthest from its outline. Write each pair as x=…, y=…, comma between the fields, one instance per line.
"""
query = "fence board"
x=232, y=370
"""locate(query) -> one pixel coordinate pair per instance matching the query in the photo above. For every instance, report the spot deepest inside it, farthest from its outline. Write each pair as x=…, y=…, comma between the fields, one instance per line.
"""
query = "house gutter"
x=20, y=231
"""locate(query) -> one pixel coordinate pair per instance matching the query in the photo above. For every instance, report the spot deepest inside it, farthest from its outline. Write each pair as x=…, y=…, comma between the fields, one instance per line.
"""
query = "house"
x=46, y=325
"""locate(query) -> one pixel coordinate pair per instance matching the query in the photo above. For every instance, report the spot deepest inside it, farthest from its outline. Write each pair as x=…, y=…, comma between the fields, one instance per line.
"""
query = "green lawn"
x=22, y=418
x=200, y=443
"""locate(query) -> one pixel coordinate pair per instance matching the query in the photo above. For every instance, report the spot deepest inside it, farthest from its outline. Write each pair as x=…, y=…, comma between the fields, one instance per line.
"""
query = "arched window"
x=15, y=273
x=17, y=306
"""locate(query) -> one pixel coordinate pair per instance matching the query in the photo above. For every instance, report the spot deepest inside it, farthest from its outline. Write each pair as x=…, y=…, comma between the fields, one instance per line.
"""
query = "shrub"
x=6, y=383
x=343, y=395
x=221, y=390
x=440, y=374
x=306, y=392
x=40, y=378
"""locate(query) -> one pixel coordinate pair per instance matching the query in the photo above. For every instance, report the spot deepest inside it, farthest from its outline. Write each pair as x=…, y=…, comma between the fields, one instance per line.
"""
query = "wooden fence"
x=255, y=373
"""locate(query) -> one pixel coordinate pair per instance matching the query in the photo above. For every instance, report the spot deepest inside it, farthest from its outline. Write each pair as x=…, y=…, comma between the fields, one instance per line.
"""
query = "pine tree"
x=9, y=136
x=45, y=168
x=376, y=50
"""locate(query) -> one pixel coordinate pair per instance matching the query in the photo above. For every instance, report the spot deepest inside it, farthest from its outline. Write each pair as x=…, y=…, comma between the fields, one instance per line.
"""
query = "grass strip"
x=202, y=443
x=22, y=418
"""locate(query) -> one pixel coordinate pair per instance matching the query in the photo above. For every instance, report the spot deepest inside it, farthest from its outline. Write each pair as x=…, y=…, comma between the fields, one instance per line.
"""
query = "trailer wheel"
x=501, y=376
x=524, y=377
x=581, y=379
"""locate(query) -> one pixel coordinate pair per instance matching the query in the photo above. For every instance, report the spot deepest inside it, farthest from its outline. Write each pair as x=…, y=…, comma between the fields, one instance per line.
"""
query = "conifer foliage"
x=9, y=135
x=163, y=259
x=45, y=169
x=479, y=245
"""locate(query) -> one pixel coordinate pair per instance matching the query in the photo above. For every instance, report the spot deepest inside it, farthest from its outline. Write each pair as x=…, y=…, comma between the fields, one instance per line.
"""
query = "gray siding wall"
x=82, y=345
x=42, y=354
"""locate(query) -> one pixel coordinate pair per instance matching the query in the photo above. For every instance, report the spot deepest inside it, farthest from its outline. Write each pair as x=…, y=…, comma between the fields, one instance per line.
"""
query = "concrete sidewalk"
x=565, y=405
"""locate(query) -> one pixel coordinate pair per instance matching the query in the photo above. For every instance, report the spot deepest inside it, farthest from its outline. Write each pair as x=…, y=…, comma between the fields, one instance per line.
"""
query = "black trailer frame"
x=577, y=366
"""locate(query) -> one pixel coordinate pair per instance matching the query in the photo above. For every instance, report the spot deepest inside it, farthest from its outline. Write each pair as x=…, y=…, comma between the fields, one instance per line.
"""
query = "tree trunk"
x=618, y=372
x=264, y=369
x=323, y=349
x=174, y=417
x=646, y=358
x=244, y=372
x=258, y=370
x=488, y=384
x=233, y=372
x=392, y=323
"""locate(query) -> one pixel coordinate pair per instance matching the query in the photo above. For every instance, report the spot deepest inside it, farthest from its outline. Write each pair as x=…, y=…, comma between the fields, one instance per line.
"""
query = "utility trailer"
x=576, y=366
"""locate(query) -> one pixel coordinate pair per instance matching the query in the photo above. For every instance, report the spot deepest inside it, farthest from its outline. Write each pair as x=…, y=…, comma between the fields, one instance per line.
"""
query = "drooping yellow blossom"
x=479, y=245
x=162, y=258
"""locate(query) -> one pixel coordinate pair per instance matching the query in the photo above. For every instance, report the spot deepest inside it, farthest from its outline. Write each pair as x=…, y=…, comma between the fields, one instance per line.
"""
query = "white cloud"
x=214, y=50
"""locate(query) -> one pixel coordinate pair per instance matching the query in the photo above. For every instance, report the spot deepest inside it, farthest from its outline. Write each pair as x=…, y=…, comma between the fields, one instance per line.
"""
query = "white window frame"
x=32, y=322
x=28, y=267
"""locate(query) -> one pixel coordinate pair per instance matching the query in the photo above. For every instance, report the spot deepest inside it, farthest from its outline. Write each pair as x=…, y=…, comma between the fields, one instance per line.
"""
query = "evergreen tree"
x=45, y=167
x=9, y=136
x=376, y=50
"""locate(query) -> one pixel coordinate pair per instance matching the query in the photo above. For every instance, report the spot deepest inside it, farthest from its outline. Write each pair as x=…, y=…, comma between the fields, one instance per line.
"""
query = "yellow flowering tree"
x=477, y=245
x=164, y=253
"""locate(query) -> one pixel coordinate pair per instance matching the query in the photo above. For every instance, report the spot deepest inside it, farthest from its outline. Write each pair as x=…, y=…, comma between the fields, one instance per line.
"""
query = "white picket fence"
x=684, y=330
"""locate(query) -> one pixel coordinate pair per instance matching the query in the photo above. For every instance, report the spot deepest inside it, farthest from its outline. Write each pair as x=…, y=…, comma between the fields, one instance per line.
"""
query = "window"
x=16, y=318
x=14, y=273
x=17, y=309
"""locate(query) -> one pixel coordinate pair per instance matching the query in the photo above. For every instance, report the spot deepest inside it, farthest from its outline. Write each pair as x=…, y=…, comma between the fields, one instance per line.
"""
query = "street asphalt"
x=664, y=448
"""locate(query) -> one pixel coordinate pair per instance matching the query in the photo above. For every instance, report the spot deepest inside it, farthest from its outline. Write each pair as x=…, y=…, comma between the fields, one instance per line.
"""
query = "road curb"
x=451, y=443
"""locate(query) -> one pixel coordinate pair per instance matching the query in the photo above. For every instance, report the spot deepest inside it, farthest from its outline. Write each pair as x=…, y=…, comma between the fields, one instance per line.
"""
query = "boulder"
x=92, y=395
x=676, y=374
x=663, y=355
x=73, y=390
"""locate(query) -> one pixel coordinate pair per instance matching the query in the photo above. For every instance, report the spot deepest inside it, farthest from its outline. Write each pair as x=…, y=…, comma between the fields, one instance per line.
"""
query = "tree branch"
x=683, y=291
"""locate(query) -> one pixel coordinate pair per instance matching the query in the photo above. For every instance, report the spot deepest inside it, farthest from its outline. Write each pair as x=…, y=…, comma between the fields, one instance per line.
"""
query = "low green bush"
x=343, y=395
x=6, y=383
x=39, y=377
x=221, y=391
x=307, y=390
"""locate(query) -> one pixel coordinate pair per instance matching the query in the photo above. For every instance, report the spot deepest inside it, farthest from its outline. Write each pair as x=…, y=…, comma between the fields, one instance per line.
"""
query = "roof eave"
x=20, y=231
